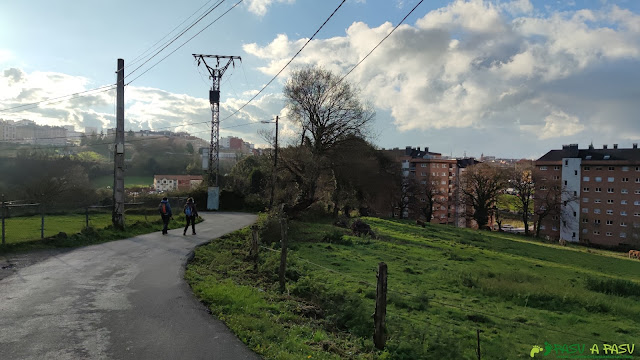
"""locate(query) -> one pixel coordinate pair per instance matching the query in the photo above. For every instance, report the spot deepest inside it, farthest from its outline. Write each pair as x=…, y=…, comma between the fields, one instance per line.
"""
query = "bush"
x=617, y=287
x=361, y=228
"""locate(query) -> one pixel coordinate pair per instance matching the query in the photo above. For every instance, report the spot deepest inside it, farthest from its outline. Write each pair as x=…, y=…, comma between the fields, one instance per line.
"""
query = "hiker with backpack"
x=190, y=213
x=165, y=213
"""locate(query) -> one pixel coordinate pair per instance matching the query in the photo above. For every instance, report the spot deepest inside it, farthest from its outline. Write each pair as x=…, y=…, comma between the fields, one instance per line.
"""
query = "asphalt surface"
x=125, y=299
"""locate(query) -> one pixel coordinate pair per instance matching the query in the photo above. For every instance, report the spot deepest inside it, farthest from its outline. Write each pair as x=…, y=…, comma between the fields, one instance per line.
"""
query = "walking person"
x=190, y=213
x=165, y=213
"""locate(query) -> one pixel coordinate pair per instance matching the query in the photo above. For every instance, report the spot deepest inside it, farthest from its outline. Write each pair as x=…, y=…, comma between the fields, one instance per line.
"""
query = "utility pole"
x=213, y=198
x=117, y=217
x=275, y=164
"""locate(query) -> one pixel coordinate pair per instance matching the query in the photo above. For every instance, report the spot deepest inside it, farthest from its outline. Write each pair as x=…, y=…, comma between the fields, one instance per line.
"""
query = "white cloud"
x=473, y=64
x=259, y=7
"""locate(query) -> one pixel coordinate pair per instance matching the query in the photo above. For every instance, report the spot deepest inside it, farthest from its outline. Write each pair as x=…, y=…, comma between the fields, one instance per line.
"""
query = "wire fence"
x=23, y=222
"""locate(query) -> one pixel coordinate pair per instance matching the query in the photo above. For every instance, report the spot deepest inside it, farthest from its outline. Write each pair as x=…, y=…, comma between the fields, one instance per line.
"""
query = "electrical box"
x=214, y=96
x=120, y=148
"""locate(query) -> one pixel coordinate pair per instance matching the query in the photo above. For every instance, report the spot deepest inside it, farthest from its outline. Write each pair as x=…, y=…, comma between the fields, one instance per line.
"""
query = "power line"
x=209, y=11
x=191, y=38
x=141, y=56
x=289, y=62
x=63, y=98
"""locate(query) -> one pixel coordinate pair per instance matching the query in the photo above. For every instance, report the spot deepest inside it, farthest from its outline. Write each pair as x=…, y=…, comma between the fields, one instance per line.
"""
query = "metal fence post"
x=2, y=214
x=86, y=217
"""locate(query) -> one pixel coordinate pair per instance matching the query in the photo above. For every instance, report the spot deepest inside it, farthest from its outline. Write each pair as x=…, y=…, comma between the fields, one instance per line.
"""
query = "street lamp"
x=275, y=163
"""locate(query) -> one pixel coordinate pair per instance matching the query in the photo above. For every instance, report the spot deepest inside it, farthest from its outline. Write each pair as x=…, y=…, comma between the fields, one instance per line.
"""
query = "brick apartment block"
x=600, y=194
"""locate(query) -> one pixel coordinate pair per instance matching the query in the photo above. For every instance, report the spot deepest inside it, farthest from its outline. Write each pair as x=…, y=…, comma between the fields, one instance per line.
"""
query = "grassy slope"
x=444, y=283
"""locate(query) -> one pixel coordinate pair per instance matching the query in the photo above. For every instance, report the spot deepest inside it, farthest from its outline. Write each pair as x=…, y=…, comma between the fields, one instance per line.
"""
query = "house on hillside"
x=176, y=182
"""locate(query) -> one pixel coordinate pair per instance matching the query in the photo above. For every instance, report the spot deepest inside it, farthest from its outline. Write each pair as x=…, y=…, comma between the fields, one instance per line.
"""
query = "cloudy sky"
x=505, y=78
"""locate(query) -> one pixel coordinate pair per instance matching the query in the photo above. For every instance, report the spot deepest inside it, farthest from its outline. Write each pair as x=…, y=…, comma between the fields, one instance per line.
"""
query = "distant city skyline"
x=511, y=79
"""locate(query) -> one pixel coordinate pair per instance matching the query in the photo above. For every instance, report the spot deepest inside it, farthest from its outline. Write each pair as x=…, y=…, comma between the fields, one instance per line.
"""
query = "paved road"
x=120, y=300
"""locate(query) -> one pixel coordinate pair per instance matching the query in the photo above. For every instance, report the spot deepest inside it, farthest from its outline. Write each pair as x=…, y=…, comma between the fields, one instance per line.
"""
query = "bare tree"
x=425, y=197
x=329, y=114
x=521, y=179
x=480, y=186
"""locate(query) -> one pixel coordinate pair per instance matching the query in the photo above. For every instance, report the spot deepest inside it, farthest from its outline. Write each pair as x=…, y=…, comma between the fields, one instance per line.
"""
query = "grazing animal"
x=420, y=222
x=563, y=242
x=634, y=254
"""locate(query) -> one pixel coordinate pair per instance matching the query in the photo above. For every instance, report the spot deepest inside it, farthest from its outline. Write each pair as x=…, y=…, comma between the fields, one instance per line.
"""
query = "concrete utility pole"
x=213, y=199
x=117, y=217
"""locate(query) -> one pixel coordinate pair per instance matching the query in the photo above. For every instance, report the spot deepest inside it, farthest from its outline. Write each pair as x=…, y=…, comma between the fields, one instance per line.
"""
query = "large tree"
x=329, y=113
x=521, y=179
x=480, y=185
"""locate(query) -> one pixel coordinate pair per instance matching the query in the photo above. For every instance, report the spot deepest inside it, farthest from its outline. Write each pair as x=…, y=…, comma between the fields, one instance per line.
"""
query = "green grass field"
x=444, y=284
x=20, y=229
x=129, y=181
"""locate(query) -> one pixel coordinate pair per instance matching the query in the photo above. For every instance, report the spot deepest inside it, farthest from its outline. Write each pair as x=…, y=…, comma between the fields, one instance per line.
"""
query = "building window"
x=586, y=189
x=574, y=214
x=596, y=211
x=585, y=200
x=609, y=233
x=637, y=192
x=623, y=213
x=636, y=202
x=554, y=228
x=423, y=182
x=610, y=201
x=543, y=168
x=423, y=165
x=585, y=220
x=607, y=157
x=586, y=168
x=625, y=179
x=624, y=191
x=609, y=222
x=598, y=189
x=609, y=212
x=623, y=202
x=586, y=178
x=423, y=173
x=598, y=167
x=625, y=168
x=596, y=232
x=636, y=214
x=543, y=187
x=558, y=167
x=566, y=163
x=611, y=190
x=444, y=174
x=575, y=172
x=597, y=201
x=637, y=168
x=610, y=179
x=623, y=224
x=598, y=179
x=585, y=210
x=611, y=168
x=637, y=180
x=542, y=227
x=556, y=177
x=623, y=235
x=584, y=231
x=596, y=221
x=433, y=165
x=565, y=182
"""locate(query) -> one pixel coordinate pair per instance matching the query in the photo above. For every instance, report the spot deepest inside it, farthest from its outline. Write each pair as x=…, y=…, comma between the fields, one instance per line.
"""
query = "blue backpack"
x=187, y=210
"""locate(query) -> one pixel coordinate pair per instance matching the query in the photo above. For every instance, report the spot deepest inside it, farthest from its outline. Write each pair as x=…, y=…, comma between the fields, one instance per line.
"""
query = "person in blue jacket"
x=165, y=213
x=190, y=213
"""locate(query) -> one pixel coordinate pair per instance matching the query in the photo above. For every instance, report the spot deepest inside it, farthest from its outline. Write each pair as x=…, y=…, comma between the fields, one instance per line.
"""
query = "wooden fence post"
x=42, y=221
x=283, y=252
x=254, y=246
x=379, y=335
x=86, y=217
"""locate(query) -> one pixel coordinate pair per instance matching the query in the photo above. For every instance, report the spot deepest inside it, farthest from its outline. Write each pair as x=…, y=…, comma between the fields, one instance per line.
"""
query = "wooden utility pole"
x=213, y=198
x=117, y=216
x=478, y=349
x=275, y=164
x=379, y=335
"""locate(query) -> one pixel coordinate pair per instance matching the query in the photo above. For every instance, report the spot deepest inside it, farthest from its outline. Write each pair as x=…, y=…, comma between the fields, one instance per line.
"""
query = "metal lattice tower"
x=214, y=99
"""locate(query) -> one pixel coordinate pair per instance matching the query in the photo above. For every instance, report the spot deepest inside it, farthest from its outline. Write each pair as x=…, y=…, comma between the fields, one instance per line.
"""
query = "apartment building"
x=598, y=192
x=7, y=130
x=430, y=169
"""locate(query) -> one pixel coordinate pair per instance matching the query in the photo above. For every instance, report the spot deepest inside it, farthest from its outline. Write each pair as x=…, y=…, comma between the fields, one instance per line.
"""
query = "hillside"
x=444, y=285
